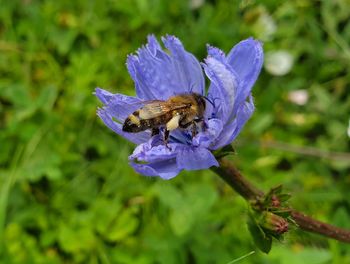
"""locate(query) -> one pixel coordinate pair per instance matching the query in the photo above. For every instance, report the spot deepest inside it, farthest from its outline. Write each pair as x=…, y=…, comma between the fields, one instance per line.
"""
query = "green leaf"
x=104, y=216
x=124, y=226
x=73, y=239
x=195, y=203
x=283, y=197
x=225, y=151
x=261, y=239
x=168, y=195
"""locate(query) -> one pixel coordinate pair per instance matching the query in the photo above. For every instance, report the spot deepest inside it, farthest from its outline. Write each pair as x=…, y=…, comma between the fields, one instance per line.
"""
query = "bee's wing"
x=157, y=108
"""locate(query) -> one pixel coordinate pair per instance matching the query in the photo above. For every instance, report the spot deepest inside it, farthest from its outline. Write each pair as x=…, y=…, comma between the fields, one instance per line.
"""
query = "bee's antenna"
x=214, y=99
x=211, y=102
x=191, y=87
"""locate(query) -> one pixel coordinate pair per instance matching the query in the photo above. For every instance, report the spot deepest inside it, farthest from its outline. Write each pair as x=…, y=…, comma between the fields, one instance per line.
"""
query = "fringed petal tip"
x=153, y=45
x=103, y=95
x=216, y=53
x=246, y=58
x=170, y=40
x=159, y=75
x=188, y=70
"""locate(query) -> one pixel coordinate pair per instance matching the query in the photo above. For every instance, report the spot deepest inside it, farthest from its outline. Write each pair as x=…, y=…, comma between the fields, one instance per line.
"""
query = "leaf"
x=283, y=197
x=104, y=216
x=261, y=239
x=73, y=239
x=283, y=212
x=181, y=220
x=312, y=255
x=277, y=190
x=196, y=203
x=168, y=195
x=225, y=151
x=125, y=225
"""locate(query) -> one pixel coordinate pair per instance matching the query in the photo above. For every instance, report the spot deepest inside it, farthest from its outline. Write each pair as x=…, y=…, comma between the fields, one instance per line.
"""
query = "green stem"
x=5, y=191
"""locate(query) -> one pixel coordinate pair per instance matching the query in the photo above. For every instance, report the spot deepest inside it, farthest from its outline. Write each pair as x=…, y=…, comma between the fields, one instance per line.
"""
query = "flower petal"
x=195, y=158
x=158, y=75
x=165, y=169
x=103, y=95
x=145, y=84
x=231, y=131
x=216, y=53
x=136, y=138
x=213, y=129
x=223, y=87
x=188, y=70
x=155, y=150
x=151, y=71
x=246, y=59
x=118, y=106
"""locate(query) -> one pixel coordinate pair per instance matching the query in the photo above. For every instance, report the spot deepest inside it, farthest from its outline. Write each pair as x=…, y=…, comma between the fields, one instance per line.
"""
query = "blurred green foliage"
x=67, y=194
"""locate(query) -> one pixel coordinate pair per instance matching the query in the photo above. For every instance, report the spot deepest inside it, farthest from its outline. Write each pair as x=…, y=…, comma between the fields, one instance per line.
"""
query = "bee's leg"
x=194, y=129
x=166, y=137
x=172, y=124
x=203, y=124
x=184, y=122
x=185, y=125
x=155, y=131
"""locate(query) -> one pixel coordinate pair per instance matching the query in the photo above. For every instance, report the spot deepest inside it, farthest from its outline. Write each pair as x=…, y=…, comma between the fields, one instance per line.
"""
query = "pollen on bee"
x=135, y=120
x=173, y=123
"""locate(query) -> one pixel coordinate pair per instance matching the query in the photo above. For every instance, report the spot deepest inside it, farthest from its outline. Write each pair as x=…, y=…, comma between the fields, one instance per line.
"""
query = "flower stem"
x=248, y=191
x=312, y=225
x=235, y=179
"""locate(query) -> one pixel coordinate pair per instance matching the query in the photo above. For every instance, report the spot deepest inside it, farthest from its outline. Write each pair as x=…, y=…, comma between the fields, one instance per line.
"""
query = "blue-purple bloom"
x=158, y=75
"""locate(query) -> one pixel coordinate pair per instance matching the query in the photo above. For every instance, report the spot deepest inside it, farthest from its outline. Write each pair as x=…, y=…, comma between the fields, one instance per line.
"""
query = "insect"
x=179, y=111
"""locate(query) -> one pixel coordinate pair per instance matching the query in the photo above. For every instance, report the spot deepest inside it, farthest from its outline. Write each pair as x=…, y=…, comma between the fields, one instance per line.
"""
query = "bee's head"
x=200, y=99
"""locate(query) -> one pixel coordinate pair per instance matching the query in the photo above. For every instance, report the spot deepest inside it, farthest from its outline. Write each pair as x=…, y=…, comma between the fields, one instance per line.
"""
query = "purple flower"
x=158, y=75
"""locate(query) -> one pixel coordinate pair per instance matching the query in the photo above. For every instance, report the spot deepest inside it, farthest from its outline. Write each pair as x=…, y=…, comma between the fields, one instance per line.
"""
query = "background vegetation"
x=67, y=194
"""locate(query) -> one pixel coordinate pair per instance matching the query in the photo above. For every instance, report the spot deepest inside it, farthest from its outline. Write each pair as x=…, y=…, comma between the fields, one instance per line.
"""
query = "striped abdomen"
x=133, y=123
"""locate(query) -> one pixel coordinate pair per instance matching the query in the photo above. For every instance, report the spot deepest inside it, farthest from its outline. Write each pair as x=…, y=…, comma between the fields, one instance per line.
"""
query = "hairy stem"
x=312, y=225
x=248, y=191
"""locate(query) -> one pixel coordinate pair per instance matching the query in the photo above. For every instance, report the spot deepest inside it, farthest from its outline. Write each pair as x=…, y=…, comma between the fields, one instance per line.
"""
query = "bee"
x=179, y=111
